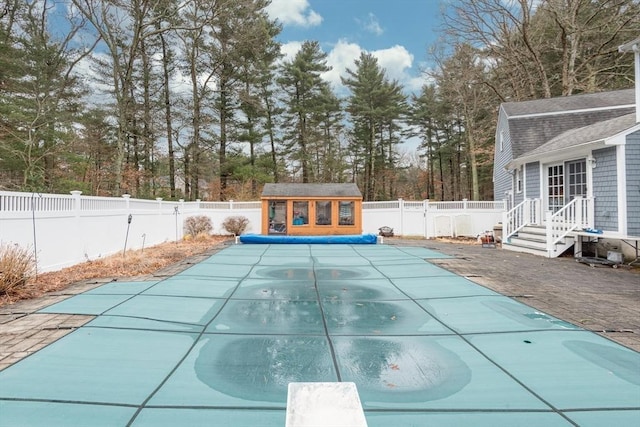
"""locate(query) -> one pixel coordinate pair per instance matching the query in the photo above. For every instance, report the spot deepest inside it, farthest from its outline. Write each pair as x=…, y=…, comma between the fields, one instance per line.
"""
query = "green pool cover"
x=218, y=344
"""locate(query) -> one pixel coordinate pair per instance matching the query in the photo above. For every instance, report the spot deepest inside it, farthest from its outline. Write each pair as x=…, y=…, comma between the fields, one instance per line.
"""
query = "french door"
x=555, y=187
x=576, y=179
x=565, y=182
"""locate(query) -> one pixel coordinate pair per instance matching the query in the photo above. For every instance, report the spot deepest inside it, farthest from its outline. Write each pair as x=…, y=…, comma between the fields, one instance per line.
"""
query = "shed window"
x=347, y=210
x=300, y=213
x=323, y=213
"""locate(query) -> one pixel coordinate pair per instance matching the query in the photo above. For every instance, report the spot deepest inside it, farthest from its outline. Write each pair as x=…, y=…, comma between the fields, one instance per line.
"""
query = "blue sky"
x=396, y=32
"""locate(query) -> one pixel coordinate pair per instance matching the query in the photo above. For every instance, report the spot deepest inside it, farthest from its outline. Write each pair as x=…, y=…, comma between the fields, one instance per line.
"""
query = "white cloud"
x=371, y=24
x=341, y=57
x=289, y=50
x=294, y=12
x=396, y=62
x=100, y=91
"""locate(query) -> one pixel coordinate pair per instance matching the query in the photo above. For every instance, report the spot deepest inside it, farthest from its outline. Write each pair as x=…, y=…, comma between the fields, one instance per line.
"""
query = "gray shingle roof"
x=584, y=135
x=311, y=190
x=530, y=132
x=567, y=104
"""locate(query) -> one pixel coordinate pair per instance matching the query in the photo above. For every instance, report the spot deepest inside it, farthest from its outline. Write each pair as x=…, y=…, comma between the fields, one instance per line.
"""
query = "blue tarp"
x=354, y=239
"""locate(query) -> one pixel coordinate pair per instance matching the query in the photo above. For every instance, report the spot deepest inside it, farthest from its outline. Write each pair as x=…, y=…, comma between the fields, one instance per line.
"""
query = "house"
x=311, y=209
x=569, y=169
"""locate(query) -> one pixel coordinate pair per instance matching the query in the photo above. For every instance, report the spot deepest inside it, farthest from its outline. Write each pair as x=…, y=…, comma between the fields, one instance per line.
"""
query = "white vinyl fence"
x=432, y=219
x=65, y=230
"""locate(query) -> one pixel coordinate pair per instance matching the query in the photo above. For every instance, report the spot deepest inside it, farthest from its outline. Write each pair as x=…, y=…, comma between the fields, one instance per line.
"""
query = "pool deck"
x=600, y=299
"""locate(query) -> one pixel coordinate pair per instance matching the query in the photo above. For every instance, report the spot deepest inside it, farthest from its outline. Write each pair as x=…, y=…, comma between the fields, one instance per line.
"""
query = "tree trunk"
x=167, y=118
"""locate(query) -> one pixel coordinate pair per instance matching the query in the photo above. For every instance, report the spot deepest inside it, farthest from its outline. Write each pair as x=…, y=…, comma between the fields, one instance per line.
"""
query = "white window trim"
x=519, y=180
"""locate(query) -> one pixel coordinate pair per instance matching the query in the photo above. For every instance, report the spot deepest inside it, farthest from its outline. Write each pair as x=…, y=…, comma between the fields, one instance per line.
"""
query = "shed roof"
x=311, y=190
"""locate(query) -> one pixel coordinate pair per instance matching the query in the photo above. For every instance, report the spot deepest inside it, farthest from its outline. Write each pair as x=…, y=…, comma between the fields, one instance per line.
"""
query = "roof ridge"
x=565, y=104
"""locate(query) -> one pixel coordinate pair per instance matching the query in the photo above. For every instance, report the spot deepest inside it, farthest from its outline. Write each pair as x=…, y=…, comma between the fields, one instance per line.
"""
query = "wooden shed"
x=311, y=209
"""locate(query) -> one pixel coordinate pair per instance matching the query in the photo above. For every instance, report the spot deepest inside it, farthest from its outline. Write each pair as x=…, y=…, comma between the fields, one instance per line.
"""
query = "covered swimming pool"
x=219, y=343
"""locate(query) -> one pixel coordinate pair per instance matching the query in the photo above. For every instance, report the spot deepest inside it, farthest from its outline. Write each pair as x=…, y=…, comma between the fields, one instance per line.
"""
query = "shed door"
x=277, y=217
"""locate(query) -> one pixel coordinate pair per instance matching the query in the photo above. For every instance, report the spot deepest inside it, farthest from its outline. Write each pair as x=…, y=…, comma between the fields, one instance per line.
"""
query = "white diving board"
x=335, y=404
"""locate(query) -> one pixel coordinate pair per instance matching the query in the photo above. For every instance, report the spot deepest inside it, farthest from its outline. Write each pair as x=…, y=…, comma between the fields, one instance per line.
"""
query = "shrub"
x=196, y=225
x=17, y=266
x=235, y=225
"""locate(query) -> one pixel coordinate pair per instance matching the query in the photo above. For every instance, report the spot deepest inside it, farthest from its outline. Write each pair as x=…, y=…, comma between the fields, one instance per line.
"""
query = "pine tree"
x=304, y=88
x=376, y=105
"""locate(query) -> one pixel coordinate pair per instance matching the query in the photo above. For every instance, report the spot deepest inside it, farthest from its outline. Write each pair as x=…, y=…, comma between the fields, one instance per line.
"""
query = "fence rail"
x=69, y=229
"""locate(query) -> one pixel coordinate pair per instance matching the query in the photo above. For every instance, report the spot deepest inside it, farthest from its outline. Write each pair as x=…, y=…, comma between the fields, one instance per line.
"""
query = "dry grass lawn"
x=133, y=263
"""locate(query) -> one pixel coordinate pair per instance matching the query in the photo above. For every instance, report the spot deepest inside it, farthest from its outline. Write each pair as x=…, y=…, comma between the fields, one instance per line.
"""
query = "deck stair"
x=533, y=239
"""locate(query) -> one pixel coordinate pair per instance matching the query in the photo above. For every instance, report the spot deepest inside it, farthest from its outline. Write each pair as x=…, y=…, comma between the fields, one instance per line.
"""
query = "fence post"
x=401, y=206
x=126, y=198
x=425, y=217
x=78, y=225
x=77, y=205
x=159, y=220
x=231, y=204
x=464, y=204
x=180, y=215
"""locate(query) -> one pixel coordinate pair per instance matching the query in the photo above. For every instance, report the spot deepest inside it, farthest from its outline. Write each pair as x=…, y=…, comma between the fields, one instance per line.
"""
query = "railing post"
x=549, y=229
x=505, y=220
x=506, y=229
x=591, y=212
x=231, y=205
x=579, y=209
x=464, y=204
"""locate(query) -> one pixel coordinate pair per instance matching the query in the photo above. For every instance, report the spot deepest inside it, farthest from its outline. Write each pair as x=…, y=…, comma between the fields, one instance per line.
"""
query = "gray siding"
x=502, y=180
x=518, y=197
x=605, y=189
x=632, y=152
x=532, y=180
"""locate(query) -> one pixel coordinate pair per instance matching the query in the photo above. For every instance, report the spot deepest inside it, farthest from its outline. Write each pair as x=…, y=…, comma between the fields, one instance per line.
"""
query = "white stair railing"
x=527, y=212
x=577, y=214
